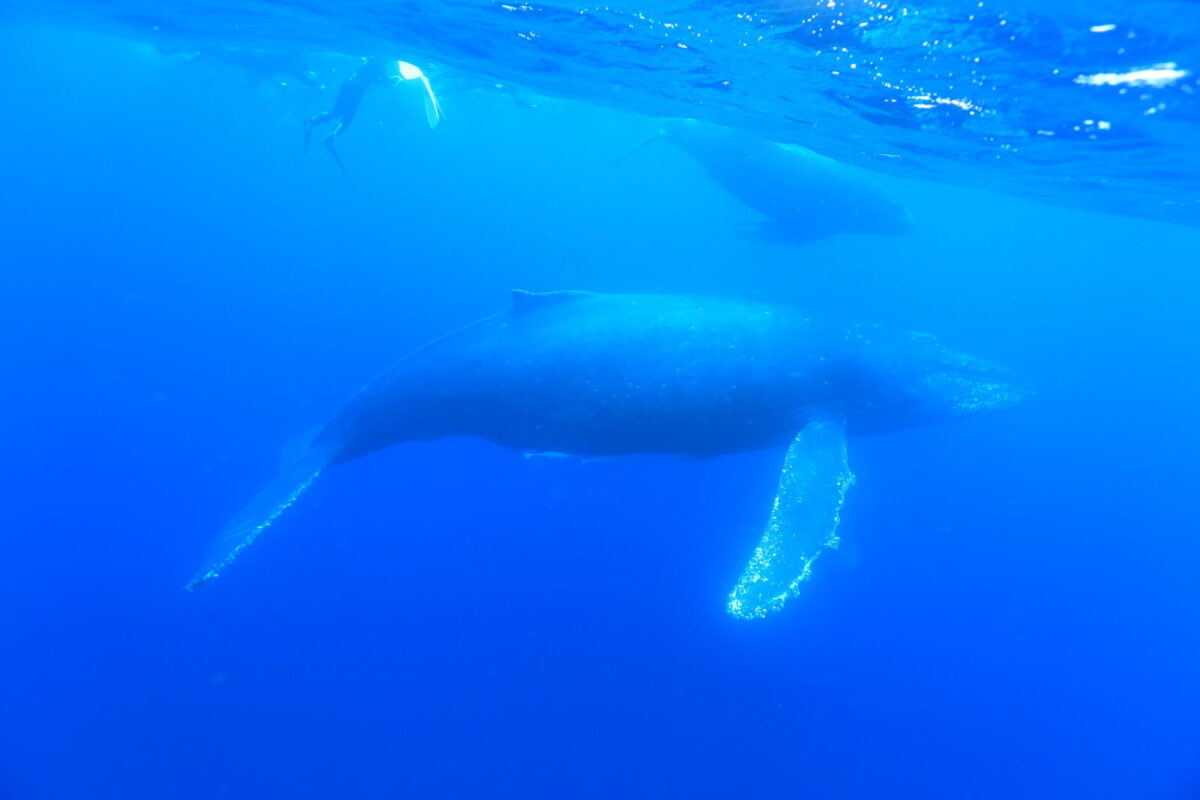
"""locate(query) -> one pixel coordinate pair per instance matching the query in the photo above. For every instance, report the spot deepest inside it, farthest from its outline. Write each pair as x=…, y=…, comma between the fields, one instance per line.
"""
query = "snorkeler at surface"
x=373, y=72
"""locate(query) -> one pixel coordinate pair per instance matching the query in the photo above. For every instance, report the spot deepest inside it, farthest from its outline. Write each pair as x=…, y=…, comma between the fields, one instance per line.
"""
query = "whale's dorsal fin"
x=804, y=520
x=523, y=301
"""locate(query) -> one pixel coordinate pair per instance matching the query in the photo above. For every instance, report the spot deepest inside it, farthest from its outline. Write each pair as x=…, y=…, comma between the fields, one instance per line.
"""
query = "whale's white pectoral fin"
x=803, y=521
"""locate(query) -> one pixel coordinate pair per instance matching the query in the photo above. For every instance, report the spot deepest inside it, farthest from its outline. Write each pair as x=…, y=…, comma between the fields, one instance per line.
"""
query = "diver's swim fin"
x=258, y=515
x=804, y=520
x=433, y=109
x=333, y=152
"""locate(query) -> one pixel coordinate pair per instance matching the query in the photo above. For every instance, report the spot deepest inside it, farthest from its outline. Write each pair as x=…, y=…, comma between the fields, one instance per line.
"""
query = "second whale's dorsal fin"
x=524, y=301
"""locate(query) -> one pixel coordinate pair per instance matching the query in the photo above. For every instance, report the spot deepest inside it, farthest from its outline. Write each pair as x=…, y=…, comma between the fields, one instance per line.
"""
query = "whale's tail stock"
x=258, y=515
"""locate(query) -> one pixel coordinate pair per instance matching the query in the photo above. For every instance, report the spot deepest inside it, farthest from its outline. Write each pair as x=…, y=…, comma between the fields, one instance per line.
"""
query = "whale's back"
x=599, y=374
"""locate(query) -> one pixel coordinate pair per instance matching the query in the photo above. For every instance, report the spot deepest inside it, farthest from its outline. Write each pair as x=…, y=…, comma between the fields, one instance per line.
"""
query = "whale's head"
x=892, y=380
x=888, y=217
x=871, y=208
x=946, y=384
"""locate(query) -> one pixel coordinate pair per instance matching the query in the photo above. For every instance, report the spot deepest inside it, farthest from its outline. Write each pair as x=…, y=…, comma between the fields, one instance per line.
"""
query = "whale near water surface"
x=803, y=196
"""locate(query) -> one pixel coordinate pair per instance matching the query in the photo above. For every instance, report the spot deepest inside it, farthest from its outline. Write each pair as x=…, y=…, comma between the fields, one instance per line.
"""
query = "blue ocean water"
x=1013, y=610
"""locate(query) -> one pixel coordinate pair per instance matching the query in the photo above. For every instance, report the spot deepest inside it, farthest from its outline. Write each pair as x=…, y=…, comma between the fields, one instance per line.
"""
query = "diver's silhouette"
x=373, y=72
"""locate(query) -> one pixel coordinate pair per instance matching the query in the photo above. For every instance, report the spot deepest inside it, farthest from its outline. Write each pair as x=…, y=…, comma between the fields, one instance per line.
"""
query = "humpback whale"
x=806, y=196
x=608, y=375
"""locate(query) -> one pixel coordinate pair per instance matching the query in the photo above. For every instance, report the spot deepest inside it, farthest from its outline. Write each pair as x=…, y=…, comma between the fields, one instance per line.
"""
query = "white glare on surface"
x=1157, y=76
x=929, y=101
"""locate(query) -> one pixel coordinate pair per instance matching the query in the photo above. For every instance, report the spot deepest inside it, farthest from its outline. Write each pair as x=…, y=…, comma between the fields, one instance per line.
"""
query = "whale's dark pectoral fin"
x=803, y=521
x=793, y=229
x=258, y=515
x=639, y=147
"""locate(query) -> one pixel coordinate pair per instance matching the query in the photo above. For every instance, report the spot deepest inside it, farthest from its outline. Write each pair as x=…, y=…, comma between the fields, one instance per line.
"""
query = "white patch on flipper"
x=546, y=454
x=804, y=520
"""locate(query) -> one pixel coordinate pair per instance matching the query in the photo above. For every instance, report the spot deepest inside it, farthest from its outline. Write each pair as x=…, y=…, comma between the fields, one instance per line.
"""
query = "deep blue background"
x=1014, y=611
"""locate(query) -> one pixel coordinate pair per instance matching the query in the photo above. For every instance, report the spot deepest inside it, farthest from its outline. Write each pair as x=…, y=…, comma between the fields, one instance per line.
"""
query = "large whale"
x=607, y=375
x=806, y=196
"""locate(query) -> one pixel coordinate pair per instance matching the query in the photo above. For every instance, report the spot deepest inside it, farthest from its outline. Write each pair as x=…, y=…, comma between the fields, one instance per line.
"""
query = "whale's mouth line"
x=961, y=393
